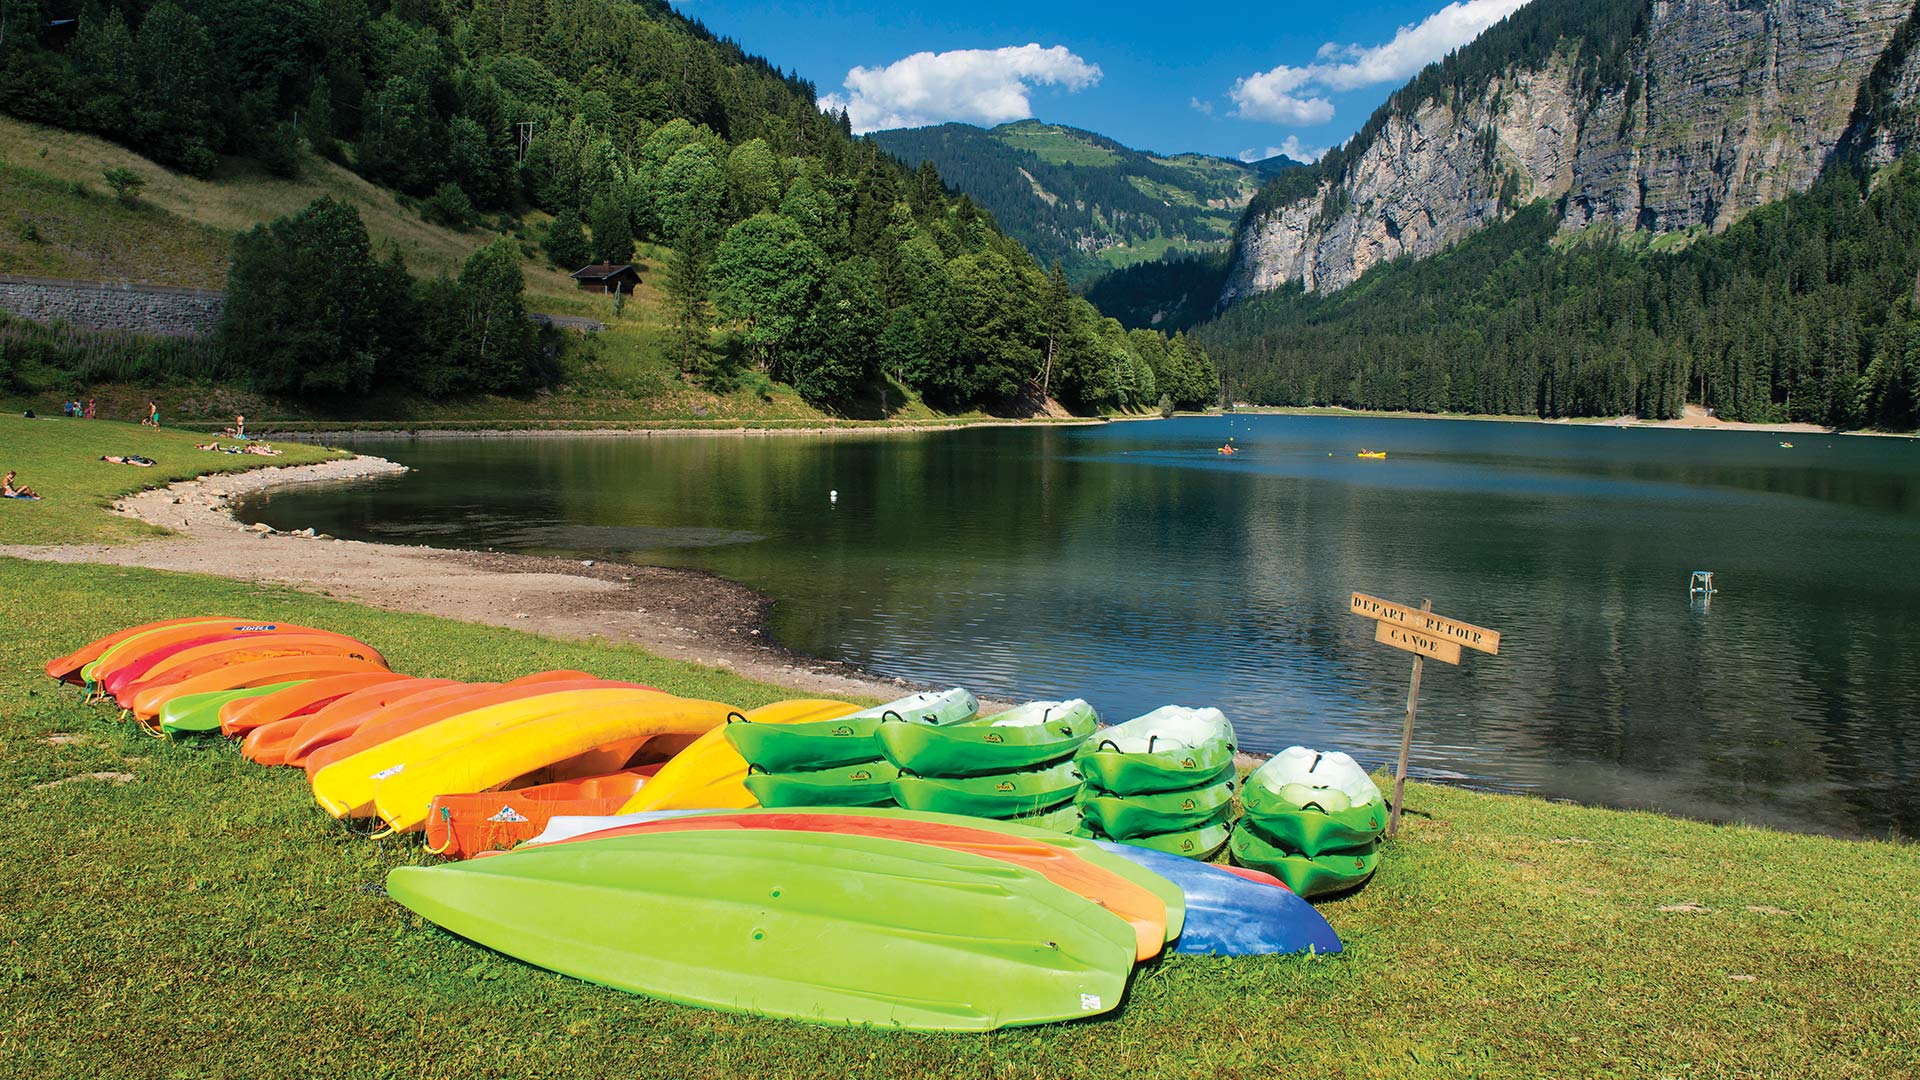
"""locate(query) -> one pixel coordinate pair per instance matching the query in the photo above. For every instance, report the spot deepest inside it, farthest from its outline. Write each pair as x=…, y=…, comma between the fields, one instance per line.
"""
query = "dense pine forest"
x=1805, y=310
x=814, y=257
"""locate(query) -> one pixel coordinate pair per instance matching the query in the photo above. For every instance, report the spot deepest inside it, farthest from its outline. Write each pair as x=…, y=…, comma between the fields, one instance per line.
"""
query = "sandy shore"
x=683, y=614
x=1694, y=418
x=349, y=435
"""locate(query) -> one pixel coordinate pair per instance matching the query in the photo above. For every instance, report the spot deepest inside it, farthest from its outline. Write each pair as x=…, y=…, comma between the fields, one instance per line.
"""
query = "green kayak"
x=1168, y=749
x=1002, y=795
x=1123, y=817
x=200, y=713
x=819, y=927
x=824, y=744
x=1026, y=736
x=867, y=783
x=1061, y=819
x=1201, y=843
x=1308, y=875
x=1309, y=802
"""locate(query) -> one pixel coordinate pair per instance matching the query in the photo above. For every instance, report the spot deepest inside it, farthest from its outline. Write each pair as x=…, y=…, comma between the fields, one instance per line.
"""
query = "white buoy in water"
x=833, y=496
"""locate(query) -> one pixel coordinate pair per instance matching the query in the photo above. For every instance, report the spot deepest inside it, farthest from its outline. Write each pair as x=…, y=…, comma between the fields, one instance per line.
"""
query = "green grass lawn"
x=170, y=909
x=60, y=459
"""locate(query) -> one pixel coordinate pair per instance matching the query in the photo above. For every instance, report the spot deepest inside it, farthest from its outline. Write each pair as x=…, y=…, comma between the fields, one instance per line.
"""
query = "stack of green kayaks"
x=1313, y=820
x=837, y=762
x=1162, y=781
x=1010, y=766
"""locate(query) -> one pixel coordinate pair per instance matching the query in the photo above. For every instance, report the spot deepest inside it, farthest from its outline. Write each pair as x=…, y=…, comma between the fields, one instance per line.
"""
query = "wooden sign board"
x=1427, y=623
x=1416, y=641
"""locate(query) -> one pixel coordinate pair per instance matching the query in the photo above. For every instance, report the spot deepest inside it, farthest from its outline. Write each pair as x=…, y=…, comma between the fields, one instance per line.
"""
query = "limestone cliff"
x=1724, y=105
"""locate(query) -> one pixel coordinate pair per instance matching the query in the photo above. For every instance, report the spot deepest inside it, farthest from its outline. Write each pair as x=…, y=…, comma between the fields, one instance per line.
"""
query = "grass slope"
x=60, y=459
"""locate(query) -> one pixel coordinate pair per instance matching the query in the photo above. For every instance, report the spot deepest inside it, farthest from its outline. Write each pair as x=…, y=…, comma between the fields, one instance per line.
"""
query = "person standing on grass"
x=89, y=408
x=153, y=415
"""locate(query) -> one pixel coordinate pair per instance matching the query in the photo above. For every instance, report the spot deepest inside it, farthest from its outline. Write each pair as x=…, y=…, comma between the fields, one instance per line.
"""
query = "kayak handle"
x=754, y=770
x=1107, y=744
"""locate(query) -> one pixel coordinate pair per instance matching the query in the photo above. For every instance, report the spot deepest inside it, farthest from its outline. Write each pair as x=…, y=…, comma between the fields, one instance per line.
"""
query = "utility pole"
x=523, y=139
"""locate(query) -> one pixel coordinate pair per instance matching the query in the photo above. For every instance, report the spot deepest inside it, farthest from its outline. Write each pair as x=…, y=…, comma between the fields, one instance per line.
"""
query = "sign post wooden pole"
x=1406, y=736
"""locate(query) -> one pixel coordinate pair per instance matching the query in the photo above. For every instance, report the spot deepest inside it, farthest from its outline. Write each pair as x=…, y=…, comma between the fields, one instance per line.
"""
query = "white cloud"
x=1290, y=146
x=983, y=86
x=1203, y=107
x=1296, y=95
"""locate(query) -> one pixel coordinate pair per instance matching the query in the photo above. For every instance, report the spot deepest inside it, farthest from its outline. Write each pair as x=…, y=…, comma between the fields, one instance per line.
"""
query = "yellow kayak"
x=1377, y=455
x=345, y=787
x=711, y=774
x=403, y=799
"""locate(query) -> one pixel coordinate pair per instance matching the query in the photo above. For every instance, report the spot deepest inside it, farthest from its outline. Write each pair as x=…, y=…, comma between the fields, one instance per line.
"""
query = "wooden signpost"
x=1424, y=634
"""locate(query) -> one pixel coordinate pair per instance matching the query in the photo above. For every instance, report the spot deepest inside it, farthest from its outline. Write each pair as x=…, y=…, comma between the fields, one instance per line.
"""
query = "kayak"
x=199, y=714
x=345, y=788
x=462, y=825
x=1024, y=737
x=1123, y=817
x=1142, y=910
x=1228, y=915
x=147, y=648
x=1200, y=843
x=243, y=715
x=1309, y=802
x=67, y=668
x=148, y=703
x=1000, y=796
x=803, y=926
x=845, y=740
x=315, y=736
x=273, y=743
x=711, y=774
x=404, y=795
x=1169, y=749
x=1308, y=875
x=1061, y=819
x=562, y=828
x=867, y=783
x=215, y=655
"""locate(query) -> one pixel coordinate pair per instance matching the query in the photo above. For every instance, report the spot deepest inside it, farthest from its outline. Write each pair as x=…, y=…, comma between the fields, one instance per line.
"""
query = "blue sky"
x=1231, y=78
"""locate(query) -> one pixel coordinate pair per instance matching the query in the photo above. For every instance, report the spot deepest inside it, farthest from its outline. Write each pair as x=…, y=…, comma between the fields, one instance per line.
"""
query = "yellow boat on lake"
x=1377, y=454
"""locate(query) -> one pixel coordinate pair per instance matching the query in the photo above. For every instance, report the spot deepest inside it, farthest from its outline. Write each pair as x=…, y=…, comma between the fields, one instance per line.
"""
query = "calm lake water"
x=1132, y=565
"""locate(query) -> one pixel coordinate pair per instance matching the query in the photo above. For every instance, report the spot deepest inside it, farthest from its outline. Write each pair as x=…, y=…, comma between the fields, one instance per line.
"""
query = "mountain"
x=1659, y=119
x=1083, y=198
x=1605, y=209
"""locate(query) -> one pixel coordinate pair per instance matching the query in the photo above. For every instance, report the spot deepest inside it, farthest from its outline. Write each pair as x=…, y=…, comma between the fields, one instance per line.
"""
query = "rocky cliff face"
x=1731, y=104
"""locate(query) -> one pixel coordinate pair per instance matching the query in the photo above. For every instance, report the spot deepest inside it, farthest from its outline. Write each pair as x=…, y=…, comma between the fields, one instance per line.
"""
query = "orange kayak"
x=117, y=672
x=273, y=743
x=409, y=716
x=239, y=717
x=459, y=826
x=67, y=668
x=1144, y=911
x=144, y=647
x=147, y=704
x=212, y=657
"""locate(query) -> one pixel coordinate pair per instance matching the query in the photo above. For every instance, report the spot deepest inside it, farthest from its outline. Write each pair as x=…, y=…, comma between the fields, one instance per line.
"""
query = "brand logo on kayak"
x=1004, y=785
x=508, y=814
x=843, y=731
x=1186, y=804
x=1090, y=1003
x=1186, y=845
x=256, y=628
x=384, y=773
x=1189, y=763
x=859, y=775
x=995, y=737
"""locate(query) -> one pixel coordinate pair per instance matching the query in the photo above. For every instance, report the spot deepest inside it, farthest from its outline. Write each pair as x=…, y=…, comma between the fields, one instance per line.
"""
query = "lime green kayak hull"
x=200, y=713
x=1310, y=830
x=1002, y=795
x=1124, y=817
x=867, y=783
x=1308, y=875
x=981, y=747
x=824, y=928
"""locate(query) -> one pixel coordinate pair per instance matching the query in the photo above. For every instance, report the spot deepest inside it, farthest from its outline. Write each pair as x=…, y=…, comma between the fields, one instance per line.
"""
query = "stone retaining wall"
x=142, y=309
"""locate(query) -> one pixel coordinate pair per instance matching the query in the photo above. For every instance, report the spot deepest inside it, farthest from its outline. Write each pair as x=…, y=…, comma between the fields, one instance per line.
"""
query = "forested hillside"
x=1804, y=310
x=816, y=258
x=1083, y=199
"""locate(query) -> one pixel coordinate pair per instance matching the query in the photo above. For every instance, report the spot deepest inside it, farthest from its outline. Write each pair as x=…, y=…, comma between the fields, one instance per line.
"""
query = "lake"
x=1133, y=565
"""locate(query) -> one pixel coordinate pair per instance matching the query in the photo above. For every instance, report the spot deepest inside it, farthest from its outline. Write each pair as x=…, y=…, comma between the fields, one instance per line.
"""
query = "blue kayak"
x=1227, y=915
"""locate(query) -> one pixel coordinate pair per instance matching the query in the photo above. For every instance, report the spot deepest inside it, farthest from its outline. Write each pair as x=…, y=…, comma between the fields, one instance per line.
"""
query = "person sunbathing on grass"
x=130, y=459
x=262, y=449
x=8, y=490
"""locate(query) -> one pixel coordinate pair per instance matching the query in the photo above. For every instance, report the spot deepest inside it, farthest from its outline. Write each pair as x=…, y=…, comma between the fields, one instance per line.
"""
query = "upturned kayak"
x=273, y=743
x=845, y=740
x=868, y=783
x=1309, y=875
x=68, y=668
x=148, y=703
x=1309, y=802
x=1169, y=749
x=711, y=774
x=243, y=715
x=199, y=714
x=1024, y=737
x=1123, y=817
x=814, y=927
x=1002, y=795
x=1202, y=843
x=1228, y=915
